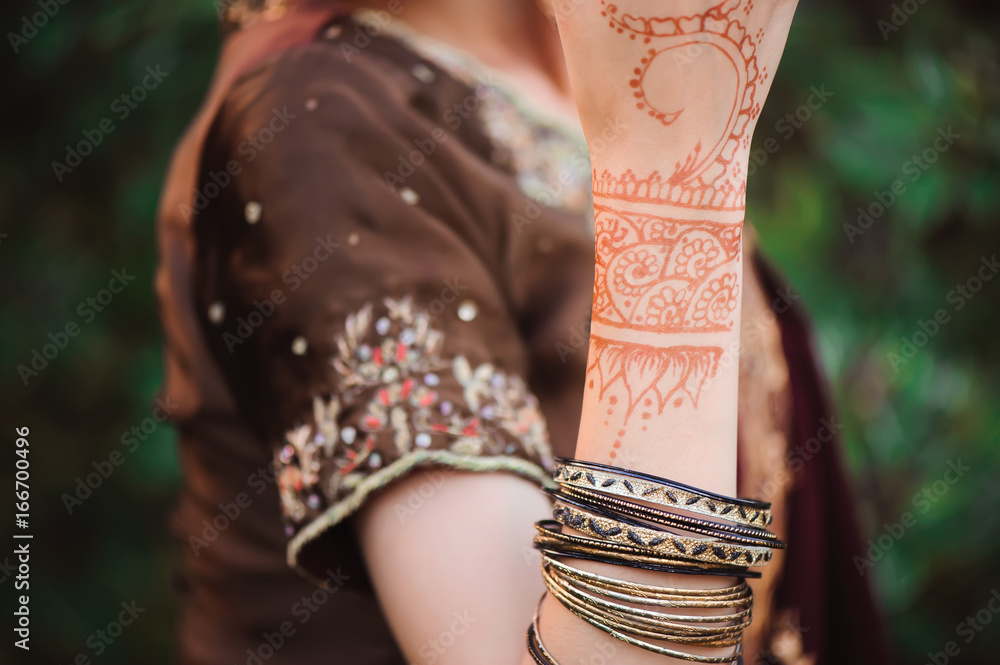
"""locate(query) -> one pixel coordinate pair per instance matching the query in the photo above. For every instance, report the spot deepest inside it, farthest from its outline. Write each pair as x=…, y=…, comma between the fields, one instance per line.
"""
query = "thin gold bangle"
x=623, y=632
x=651, y=595
x=679, y=624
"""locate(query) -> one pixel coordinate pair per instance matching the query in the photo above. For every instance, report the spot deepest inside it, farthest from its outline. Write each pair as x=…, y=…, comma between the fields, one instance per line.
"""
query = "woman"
x=377, y=284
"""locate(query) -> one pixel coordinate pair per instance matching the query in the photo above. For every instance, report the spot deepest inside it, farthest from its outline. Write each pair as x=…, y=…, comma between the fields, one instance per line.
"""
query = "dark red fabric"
x=838, y=615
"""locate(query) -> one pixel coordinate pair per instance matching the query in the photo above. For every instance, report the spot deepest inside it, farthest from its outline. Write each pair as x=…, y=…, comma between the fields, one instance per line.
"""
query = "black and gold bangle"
x=550, y=538
x=736, y=533
x=626, y=531
x=635, y=485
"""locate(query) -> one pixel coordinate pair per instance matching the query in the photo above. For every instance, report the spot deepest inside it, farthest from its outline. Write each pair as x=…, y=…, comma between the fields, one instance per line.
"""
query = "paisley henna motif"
x=668, y=244
x=713, y=42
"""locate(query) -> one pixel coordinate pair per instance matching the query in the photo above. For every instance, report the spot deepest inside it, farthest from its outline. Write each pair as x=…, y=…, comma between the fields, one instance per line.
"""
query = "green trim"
x=385, y=476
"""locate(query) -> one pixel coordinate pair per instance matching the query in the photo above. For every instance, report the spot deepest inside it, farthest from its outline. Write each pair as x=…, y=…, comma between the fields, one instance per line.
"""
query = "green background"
x=905, y=421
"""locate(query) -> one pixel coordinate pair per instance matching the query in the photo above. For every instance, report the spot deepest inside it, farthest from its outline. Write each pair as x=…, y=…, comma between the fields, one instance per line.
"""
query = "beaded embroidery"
x=390, y=372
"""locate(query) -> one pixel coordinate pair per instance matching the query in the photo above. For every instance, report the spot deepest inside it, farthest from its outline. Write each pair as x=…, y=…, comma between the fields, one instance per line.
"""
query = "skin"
x=669, y=208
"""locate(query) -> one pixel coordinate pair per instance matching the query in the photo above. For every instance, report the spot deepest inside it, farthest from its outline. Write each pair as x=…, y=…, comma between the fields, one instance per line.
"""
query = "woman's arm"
x=686, y=81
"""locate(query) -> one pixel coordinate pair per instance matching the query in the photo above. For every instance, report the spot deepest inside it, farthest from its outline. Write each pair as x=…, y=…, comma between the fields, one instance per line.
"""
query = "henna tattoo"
x=711, y=43
x=668, y=265
x=666, y=275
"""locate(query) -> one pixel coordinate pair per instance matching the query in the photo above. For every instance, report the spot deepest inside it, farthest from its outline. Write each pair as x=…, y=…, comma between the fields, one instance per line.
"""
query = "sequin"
x=423, y=72
x=353, y=239
x=468, y=310
x=389, y=390
x=300, y=345
x=410, y=197
x=217, y=312
x=252, y=212
x=312, y=104
x=313, y=501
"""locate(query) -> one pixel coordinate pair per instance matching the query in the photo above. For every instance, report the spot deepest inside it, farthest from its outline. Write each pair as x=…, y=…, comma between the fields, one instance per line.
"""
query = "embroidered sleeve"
x=400, y=403
x=362, y=330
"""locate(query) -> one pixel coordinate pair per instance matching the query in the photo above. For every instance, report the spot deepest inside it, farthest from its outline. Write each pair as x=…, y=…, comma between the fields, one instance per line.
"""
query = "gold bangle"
x=660, y=491
x=651, y=595
x=623, y=634
x=657, y=541
x=659, y=625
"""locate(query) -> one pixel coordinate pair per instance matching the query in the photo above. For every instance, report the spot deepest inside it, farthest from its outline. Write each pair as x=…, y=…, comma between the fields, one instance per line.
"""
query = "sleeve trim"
x=339, y=511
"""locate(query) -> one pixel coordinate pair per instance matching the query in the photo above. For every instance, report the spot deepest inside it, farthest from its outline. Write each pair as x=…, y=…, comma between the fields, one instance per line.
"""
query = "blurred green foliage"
x=907, y=415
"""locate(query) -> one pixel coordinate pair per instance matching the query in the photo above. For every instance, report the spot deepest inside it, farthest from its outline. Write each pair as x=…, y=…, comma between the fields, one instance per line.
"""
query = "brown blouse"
x=386, y=262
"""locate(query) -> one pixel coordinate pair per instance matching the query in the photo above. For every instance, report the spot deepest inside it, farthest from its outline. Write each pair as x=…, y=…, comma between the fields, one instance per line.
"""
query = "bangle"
x=624, y=530
x=632, y=484
x=634, y=592
x=550, y=538
x=723, y=530
x=734, y=622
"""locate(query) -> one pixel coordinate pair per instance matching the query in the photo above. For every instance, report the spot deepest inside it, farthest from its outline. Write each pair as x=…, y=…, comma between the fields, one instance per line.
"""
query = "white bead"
x=382, y=326
x=423, y=440
x=375, y=460
x=300, y=345
x=423, y=72
x=410, y=197
x=252, y=212
x=348, y=435
x=468, y=310
x=217, y=312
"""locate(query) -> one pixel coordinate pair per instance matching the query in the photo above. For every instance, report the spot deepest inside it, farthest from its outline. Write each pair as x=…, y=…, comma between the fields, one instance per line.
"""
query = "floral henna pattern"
x=665, y=275
x=709, y=177
x=669, y=244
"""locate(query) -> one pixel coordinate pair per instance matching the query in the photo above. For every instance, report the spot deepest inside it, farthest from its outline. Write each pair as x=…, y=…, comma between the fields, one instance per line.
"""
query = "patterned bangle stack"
x=611, y=508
